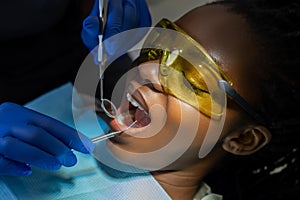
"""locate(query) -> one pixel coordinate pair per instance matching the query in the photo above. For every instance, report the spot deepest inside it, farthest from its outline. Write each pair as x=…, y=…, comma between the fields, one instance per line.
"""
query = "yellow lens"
x=187, y=83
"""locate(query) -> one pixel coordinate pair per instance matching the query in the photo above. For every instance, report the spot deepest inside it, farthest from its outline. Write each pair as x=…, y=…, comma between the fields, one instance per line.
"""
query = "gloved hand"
x=29, y=138
x=122, y=15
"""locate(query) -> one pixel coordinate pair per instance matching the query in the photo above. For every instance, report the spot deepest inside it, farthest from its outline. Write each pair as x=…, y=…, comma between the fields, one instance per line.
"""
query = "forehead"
x=228, y=39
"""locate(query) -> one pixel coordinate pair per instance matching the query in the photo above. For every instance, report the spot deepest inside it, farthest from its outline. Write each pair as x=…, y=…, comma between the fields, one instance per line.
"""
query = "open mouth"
x=131, y=110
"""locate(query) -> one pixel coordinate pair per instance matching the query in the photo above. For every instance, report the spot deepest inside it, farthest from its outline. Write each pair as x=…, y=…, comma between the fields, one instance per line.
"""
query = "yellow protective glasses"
x=188, y=72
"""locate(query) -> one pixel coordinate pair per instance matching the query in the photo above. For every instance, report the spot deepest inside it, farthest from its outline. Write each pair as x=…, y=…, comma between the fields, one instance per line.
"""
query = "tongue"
x=142, y=118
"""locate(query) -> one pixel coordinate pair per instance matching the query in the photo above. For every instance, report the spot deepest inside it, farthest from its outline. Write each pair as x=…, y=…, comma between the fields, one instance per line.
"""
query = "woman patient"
x=228, y=91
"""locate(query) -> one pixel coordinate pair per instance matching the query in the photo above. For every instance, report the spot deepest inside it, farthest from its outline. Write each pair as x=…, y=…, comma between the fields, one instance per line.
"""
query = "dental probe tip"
x=112, y=134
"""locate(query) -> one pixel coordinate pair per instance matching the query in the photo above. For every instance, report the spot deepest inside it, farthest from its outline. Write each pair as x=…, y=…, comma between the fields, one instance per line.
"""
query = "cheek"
x=191, y=134
x=176, y=128
x=183, y=119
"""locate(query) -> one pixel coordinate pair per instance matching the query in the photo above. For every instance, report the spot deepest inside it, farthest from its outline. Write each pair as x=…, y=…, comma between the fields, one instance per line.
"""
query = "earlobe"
x=247, y=141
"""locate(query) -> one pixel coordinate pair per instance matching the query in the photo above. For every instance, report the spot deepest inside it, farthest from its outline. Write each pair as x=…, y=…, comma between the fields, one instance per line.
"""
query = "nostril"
x=146, y=82
x=152, y=86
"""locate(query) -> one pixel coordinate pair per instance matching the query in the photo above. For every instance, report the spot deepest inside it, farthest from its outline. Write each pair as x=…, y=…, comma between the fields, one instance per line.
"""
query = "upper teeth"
x=134, y=102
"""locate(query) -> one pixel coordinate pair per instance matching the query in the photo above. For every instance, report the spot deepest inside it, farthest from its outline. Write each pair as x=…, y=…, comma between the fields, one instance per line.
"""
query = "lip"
x=133, y=90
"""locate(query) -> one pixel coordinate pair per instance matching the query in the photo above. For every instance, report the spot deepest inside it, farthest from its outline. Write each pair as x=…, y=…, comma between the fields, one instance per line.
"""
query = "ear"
x=247, y=140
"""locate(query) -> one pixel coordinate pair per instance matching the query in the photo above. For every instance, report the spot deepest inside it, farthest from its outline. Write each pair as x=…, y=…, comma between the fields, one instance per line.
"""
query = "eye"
x=198, y=89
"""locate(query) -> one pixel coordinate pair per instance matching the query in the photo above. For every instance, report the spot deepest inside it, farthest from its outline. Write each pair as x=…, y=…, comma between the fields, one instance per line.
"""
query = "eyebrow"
x=215, y=59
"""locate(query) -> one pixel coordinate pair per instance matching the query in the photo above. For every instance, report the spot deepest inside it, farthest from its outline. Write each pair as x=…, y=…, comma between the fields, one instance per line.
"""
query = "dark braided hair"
x=273, y=172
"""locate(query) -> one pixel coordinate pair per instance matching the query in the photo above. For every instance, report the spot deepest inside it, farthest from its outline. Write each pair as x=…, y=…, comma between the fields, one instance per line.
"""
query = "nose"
x=149, y=72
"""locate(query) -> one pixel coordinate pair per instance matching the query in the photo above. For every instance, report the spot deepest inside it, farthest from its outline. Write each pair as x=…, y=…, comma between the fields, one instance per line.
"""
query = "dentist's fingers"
x=13, y=168
x=19, y=151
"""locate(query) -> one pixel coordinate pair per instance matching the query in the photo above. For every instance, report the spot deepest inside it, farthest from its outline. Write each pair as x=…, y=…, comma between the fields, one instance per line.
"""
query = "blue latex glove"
x=29, y=138
x=122, y=15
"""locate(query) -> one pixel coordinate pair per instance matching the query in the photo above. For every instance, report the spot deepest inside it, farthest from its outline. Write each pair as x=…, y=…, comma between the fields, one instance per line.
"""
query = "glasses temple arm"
x=232, y=93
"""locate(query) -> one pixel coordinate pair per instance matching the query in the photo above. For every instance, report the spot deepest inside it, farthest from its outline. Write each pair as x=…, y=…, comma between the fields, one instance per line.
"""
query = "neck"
x=178, y=184
x=183, y=184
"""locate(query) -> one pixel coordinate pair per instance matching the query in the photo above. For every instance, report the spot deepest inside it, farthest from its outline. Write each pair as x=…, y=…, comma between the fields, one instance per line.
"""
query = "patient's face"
x=167, y=125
